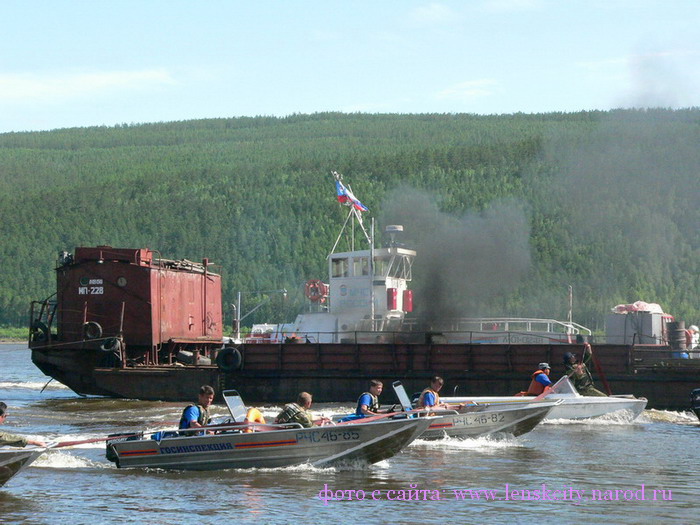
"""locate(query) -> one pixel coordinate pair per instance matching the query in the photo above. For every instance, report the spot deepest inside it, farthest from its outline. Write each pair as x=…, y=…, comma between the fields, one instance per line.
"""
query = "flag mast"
x=347, y=197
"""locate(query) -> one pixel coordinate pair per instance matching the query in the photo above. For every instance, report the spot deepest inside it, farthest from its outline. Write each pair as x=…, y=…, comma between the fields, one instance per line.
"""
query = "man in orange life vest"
x=430, y=397
x=540, y=380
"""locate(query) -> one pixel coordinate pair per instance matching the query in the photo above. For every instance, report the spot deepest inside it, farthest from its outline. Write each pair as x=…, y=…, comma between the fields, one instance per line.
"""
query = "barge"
x=129, y=323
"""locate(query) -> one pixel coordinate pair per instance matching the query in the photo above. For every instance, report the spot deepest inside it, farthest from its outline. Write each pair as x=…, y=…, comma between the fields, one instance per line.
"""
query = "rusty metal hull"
x=339, y=372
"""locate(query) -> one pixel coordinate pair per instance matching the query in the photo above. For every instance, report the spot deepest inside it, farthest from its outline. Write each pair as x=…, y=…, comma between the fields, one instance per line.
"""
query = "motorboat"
x=13, y=460
x=480, y=419
x=574, y=405
x=236, y=444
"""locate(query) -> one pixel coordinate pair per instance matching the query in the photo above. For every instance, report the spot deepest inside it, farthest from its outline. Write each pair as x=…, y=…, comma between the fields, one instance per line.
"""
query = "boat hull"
x=581, y=407
x=319, y=446
x=487, y=420
x=12, y=461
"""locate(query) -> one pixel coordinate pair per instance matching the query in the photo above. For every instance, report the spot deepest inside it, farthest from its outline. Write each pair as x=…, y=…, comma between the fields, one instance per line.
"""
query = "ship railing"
x=426, y=337
x=511, y=324
x=41, y=316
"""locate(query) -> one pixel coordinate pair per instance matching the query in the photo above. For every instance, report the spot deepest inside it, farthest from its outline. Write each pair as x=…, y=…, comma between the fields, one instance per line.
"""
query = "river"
x=603, y=471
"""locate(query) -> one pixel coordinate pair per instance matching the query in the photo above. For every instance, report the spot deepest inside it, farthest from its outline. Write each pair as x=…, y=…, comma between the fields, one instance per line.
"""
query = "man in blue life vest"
x=197, y=416
x=368, y=403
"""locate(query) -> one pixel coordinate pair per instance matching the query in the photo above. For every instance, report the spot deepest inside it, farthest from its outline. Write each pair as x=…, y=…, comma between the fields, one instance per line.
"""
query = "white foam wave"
x=479, y=443
x=307, y=467
x=65, y=460
x=669, y=416
x=33, y=385
x=620, y=417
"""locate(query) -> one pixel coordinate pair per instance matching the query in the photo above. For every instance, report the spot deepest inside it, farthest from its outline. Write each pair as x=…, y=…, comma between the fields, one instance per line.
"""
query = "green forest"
x=506, y=211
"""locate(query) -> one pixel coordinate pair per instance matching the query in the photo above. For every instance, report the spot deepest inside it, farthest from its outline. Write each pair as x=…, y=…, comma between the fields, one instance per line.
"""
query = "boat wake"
x=32, y=385
x=307, y=467
x=669, y=416
x=479, y=443
x=60, y=459
x=620, y=417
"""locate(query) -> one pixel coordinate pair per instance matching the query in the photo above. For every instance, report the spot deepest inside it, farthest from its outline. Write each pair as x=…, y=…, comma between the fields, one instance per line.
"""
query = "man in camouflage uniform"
x=297, y=412
x=13, y=440
x=580, y=376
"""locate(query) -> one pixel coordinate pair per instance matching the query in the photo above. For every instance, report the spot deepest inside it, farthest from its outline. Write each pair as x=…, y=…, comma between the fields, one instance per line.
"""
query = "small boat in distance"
x=13, y=460
x=252, y=445
x=574, y=405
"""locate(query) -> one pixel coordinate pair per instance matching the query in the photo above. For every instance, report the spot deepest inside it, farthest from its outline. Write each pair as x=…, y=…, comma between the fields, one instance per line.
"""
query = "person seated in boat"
x=297, y=412
x=580, y=376
x=540, y=382
x=12, y=440
x=368, y=402
x=197, y=415
x=430, y=397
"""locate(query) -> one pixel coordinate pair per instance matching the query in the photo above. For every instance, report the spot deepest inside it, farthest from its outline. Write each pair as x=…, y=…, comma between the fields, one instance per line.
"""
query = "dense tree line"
x=605, y=202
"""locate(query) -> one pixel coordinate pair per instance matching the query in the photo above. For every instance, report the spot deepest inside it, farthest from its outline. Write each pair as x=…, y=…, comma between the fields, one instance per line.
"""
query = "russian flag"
x=345, y=196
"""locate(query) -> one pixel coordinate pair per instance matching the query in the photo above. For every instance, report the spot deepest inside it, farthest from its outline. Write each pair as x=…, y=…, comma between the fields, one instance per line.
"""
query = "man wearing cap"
x=580, y=376
x=540, y=380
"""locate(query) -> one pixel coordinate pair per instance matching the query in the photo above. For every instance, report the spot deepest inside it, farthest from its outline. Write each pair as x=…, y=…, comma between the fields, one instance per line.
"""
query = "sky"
x=76, y=63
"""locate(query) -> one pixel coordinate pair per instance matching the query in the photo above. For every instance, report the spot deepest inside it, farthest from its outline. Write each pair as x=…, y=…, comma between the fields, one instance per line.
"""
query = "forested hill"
x=506, y=212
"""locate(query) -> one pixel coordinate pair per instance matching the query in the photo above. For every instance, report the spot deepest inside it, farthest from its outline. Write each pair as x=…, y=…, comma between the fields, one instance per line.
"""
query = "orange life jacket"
x=535, y=388
x=422, y=397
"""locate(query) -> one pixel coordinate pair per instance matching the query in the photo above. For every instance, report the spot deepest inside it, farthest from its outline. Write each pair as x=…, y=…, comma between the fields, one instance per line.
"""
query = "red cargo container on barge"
x=128, y=316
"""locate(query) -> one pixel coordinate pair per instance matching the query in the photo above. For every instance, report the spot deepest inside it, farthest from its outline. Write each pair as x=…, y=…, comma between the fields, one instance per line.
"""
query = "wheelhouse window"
x=360, y=266
x=339, y=267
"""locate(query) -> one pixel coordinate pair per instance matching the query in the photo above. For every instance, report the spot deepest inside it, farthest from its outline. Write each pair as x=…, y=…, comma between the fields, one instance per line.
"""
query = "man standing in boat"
x=197, y=416
x=580, y=376
x=13, y=440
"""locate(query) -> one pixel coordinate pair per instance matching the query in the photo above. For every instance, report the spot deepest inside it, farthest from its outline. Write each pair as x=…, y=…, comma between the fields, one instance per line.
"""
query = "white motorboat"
x=250, y=445
x=574, y=405
x=13, y=460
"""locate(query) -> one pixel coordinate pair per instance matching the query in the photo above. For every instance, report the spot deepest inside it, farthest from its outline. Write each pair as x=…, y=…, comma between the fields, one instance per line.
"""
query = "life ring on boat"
x=110, y=345
x=229, y=359
x=92, y=330
x=253, y=416
x=316, y=290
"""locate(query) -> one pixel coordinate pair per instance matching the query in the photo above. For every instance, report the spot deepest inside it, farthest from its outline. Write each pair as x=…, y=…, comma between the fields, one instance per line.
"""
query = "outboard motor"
x=695, y=401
